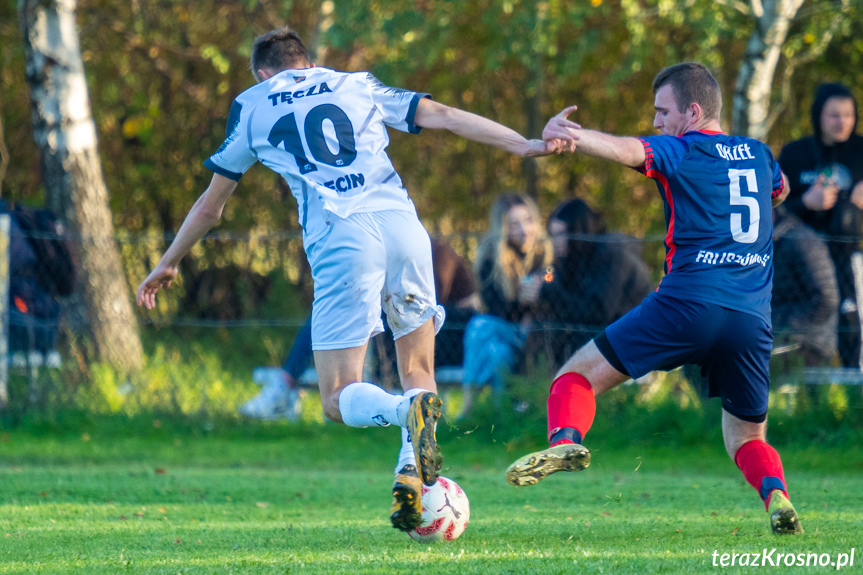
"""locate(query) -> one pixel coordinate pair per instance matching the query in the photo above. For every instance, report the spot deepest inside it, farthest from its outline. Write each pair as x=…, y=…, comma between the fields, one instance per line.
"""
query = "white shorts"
x=368, y=262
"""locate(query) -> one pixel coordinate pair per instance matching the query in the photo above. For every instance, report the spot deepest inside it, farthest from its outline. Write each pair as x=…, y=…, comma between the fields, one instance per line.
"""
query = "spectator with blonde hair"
x=510, y=262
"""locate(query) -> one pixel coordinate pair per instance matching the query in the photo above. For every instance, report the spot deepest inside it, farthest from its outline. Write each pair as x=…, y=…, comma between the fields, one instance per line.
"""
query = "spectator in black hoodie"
x=597, y=278
x=805, y=301
x=825, y=172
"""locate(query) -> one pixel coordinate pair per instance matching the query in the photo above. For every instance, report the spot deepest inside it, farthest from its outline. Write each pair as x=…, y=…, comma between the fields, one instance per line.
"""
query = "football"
x=446, y=512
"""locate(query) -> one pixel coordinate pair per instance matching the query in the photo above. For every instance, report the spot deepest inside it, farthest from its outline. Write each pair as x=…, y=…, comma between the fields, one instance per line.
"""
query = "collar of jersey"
x=295, y=71
x=707, y=132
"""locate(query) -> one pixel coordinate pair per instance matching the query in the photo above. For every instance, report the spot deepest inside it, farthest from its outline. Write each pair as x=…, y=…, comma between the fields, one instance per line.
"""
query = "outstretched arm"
x=621, y=149
x=203, y=216
x=432, y=115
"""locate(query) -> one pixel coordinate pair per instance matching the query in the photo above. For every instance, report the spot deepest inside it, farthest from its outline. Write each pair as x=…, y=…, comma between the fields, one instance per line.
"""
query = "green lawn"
x=315, y=499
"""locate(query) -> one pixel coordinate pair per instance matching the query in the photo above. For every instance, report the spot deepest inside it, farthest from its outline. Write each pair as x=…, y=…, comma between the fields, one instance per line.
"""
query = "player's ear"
x=695, y=111
x=264, y=74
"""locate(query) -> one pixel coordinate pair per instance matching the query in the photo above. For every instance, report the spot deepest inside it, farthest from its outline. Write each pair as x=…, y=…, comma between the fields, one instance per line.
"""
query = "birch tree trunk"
x=755, y=78
x=75, y=188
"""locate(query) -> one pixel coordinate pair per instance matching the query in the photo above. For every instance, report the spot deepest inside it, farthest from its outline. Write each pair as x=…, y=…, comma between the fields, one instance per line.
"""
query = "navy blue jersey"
x=717, y=191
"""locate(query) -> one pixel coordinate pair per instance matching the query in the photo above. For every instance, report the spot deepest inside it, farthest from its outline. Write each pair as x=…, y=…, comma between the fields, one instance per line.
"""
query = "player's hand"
x=562, y=131
x=160, y=277
x=857, y=195
x=822, y=195
x=537, y=148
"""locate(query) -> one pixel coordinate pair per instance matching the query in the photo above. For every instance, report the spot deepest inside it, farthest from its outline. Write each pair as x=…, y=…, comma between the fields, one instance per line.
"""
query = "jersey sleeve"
x=778, y=183
x=234, y=156
x=397, y=106
x=661, y=156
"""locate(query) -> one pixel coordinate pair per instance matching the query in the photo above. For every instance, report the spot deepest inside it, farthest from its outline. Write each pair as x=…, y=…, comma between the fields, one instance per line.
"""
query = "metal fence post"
x=4, y=309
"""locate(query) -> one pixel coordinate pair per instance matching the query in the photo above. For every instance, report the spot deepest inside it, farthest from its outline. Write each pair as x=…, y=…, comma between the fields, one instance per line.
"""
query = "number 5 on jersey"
x=737, y=199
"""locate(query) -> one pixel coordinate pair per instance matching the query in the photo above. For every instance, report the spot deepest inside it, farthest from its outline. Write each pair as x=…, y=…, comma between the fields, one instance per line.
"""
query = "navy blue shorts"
x=731, y=347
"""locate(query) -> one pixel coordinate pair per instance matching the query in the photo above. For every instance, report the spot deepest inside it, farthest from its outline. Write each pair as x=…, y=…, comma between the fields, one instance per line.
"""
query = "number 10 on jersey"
x=286, y=132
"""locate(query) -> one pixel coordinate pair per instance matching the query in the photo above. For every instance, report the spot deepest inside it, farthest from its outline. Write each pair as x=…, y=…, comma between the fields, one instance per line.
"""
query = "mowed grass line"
x=319, y=504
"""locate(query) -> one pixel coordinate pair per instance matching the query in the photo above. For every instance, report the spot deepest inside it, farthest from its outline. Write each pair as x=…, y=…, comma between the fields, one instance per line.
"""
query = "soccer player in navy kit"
x=712, y=308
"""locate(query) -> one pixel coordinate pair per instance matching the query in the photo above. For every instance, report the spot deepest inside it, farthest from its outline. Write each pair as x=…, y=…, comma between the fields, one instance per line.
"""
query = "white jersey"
x=325, y=132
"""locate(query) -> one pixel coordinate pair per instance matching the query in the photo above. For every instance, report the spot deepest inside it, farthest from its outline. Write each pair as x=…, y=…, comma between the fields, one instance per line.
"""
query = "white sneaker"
x=275, y=401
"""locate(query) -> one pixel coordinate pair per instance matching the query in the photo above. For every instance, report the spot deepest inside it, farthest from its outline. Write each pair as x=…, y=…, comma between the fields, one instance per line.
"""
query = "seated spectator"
x=825, y=174
x=805, y=306
x=597, y=278
x=454, y=286
x=40, y=270
x=508, y=259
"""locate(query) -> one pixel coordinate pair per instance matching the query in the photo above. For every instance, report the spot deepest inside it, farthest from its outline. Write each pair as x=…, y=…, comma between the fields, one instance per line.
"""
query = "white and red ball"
x=446, y=512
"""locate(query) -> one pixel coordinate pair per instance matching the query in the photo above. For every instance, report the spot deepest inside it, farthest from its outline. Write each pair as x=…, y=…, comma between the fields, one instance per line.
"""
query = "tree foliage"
x=162, y=75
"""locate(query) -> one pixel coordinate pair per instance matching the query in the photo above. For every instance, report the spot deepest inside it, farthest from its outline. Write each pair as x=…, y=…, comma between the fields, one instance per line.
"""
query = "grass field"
x=315, y=499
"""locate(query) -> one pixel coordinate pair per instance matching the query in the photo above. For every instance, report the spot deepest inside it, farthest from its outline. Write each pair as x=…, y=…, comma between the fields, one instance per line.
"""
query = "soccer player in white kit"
x=325, y=132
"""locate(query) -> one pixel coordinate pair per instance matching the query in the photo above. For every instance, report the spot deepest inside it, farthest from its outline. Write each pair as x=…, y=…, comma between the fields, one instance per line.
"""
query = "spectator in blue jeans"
x=510, y=262
x=280, y=396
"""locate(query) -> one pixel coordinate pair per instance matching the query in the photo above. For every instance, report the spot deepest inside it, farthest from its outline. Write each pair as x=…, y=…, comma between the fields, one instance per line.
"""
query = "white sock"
x=364, y=404
x=406, y=453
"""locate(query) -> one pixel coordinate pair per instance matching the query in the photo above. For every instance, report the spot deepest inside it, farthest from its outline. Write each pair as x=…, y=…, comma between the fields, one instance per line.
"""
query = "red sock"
x=570, y=404
x=762, y=468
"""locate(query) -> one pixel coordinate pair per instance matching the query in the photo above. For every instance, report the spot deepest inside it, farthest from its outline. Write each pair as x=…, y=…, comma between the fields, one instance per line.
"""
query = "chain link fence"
x=242, y=300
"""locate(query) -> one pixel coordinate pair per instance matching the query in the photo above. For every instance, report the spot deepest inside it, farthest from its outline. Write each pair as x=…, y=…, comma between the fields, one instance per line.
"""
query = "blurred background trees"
x=162, y=75
x=72, y=174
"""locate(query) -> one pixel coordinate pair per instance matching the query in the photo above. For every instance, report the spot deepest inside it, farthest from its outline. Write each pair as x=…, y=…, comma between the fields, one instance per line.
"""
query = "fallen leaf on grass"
x=736, y=529
x=178, y=541
x=262, y=504
x=123, y=518
x=161, y=471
